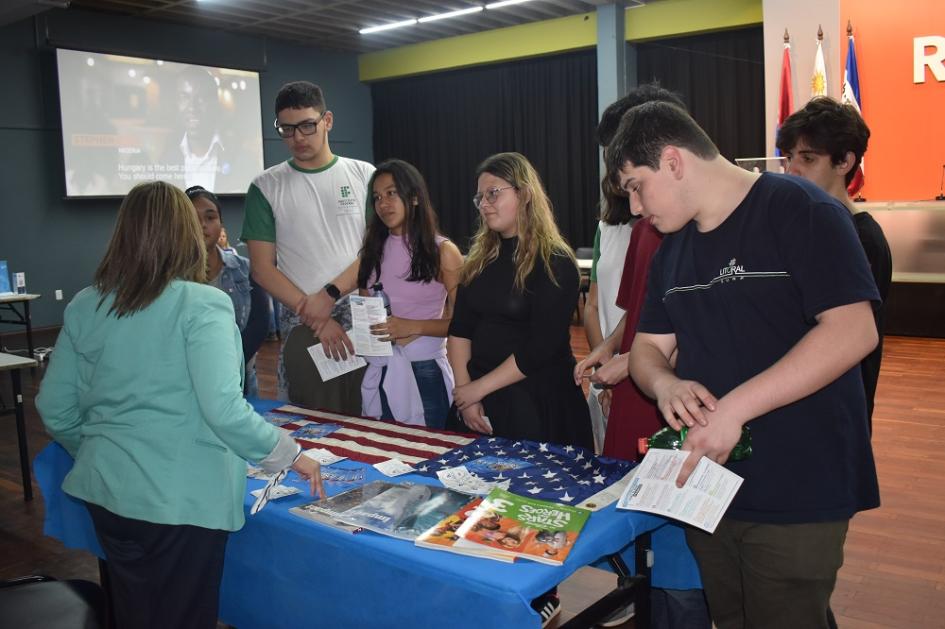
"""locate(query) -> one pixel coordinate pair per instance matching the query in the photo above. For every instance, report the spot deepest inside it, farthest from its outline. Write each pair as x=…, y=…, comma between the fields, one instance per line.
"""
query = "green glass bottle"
x=668, y=439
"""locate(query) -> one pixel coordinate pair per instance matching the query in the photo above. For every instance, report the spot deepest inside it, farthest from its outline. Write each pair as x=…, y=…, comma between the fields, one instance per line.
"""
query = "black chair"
x=40, y=602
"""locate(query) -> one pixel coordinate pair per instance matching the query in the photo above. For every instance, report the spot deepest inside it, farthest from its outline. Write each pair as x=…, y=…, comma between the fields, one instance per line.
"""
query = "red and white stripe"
x=372, y=441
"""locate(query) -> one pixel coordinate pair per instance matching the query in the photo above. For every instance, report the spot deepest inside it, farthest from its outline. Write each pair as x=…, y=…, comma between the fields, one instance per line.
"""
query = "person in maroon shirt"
x=632, y=414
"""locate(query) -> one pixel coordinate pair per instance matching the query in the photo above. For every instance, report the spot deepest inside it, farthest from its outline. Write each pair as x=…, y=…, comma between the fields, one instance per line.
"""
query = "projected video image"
x=126, y=120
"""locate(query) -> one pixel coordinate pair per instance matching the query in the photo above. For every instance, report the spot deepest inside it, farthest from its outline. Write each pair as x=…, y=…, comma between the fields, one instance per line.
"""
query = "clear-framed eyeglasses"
x=489, y=195
x=306, y=127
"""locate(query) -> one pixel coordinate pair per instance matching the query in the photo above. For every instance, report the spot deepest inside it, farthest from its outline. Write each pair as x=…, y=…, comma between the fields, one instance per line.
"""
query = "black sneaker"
x=618, y=617
x=548, y=606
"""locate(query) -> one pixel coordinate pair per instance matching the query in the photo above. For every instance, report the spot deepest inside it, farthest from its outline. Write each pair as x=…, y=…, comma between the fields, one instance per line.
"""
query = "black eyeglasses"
x=490, y=195
x=306, y=127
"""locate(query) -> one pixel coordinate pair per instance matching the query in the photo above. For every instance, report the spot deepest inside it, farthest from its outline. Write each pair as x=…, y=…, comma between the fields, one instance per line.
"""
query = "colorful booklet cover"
x=533, y=529
x=442, y=536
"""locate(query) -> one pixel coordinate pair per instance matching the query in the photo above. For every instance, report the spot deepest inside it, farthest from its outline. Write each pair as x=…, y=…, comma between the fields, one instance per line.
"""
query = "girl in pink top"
x=419, y=270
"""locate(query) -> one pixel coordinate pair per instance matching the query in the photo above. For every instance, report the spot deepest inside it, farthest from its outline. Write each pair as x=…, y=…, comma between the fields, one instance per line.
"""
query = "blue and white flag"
x=547, y=471
x=850, y=95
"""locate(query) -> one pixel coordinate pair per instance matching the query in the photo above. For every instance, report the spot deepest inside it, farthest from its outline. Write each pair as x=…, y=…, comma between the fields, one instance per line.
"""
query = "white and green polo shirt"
x=315, y=217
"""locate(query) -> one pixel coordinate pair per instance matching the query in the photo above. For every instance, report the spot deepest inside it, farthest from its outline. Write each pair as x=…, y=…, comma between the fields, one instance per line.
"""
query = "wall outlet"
x=58, y=295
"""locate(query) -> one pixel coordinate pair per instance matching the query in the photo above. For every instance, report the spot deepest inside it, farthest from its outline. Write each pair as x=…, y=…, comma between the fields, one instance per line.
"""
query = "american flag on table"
x=547, y=471
x=362, y=439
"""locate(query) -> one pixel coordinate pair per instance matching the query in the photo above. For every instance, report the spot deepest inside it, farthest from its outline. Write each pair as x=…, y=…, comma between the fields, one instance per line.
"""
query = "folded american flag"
x=366, y=440
x=547, y=471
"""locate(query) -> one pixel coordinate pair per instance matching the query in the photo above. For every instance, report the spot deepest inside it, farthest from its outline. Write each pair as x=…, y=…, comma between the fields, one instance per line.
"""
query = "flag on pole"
x=818, y=82
x=850, y=95
x=785, y=99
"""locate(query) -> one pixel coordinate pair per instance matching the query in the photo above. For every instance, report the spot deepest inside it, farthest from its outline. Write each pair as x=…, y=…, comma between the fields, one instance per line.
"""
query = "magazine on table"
x=533, y=529
x=326, y=509
x=401, y=510
x=442, y=536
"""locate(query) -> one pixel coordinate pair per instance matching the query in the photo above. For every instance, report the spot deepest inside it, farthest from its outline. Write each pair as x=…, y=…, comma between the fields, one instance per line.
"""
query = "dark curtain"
x=448, y=122
x=721, y=78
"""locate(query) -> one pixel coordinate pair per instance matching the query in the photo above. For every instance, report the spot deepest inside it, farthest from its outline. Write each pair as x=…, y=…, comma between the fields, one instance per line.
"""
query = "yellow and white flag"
x=818, y=82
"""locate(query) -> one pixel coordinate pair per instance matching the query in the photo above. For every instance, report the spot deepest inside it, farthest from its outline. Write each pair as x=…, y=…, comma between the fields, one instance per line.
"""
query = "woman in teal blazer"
x=144, y=391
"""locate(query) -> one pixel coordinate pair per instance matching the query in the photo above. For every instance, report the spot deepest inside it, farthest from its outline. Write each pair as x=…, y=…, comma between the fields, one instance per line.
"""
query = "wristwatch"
x=333, y=291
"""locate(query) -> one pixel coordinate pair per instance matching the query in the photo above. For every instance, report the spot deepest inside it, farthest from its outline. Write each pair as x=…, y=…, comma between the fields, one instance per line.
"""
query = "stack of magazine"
x=502, y=526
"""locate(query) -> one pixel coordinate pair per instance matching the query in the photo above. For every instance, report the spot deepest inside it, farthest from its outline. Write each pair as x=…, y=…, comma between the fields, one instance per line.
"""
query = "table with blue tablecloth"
x=285, y=571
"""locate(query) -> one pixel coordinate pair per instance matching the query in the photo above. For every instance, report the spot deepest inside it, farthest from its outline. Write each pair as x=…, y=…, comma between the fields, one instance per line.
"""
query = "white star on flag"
x=569, y=449
x=542, y=447
x=549, y=474
x=599, y=479
x=566, y=497
x=534, y=490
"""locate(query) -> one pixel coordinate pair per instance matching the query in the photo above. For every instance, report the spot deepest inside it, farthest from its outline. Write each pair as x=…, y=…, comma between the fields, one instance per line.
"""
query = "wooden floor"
x=894, y=570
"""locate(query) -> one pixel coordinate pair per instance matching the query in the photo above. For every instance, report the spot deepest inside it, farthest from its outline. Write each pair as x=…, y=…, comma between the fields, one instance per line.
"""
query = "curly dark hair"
x=828, y=126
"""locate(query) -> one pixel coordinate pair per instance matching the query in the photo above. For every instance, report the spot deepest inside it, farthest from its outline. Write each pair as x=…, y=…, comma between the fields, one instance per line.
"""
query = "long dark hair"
x=420, y=228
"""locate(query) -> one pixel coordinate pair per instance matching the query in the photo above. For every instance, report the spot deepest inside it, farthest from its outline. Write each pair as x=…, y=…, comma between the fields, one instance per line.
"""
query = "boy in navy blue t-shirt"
x=762, y=291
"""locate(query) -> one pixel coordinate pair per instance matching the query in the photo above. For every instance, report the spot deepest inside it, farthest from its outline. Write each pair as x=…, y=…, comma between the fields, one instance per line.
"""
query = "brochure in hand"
x=533, y=529
x=701, y=502
x=401, y=510
x=443, y=536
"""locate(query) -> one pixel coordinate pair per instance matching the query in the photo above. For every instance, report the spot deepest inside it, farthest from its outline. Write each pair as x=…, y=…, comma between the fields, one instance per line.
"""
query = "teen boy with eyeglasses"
x=304, y=224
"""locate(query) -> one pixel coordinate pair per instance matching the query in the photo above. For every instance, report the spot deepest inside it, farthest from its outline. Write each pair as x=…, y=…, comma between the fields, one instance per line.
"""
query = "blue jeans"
x=436, y=403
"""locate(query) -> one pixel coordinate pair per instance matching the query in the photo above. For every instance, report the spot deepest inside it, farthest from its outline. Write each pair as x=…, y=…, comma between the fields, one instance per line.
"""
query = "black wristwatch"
x=333, y=291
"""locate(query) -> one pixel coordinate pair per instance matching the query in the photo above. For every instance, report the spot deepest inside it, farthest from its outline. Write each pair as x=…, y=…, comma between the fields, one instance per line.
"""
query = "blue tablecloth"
x=286, y=571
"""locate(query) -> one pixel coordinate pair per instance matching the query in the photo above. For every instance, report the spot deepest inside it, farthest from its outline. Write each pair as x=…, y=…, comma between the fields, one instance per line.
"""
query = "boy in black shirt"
x=763, y=292
x=824, y=143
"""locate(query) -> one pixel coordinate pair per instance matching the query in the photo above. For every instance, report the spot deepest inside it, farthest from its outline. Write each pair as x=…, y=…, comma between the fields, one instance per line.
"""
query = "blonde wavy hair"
x=157, y=239
x=538, y=235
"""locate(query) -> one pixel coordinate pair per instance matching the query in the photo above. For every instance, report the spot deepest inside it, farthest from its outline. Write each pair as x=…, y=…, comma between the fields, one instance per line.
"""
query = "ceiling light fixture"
x=504, y=3
x=387, y=27
x=443, y=16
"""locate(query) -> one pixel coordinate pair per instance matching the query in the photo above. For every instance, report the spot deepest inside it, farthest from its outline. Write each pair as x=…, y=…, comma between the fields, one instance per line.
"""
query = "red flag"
x=785, y=101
